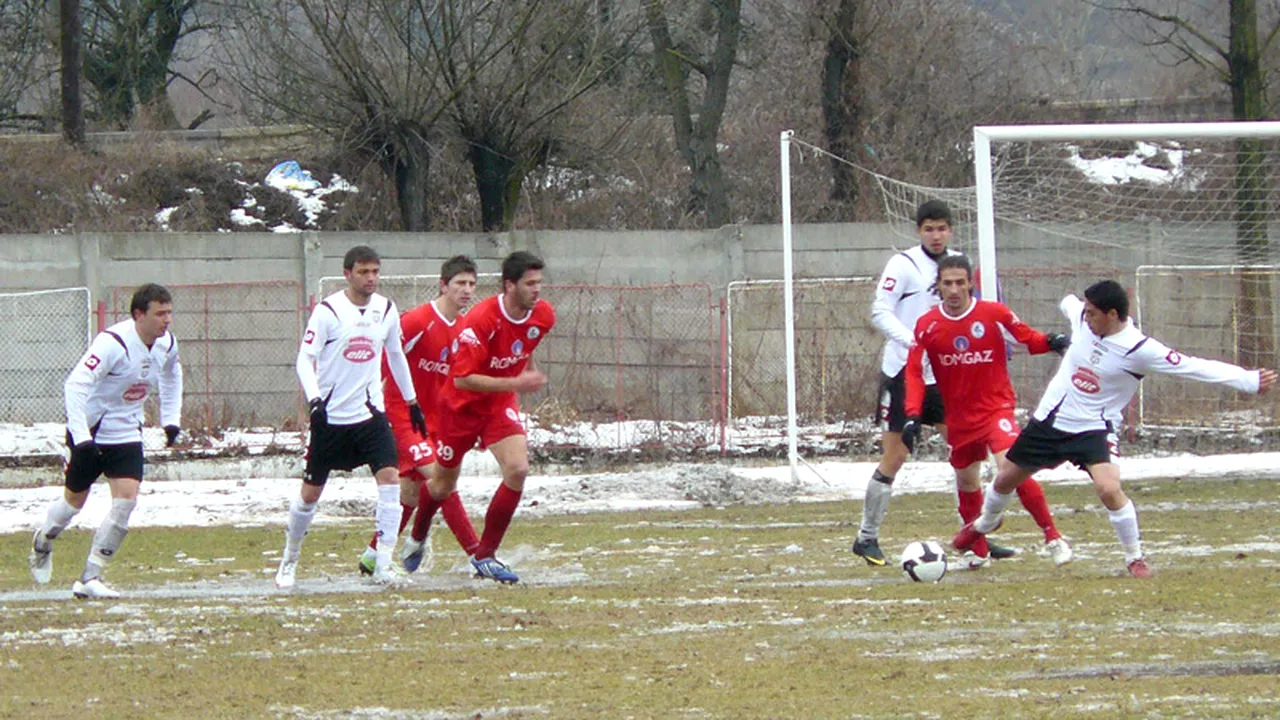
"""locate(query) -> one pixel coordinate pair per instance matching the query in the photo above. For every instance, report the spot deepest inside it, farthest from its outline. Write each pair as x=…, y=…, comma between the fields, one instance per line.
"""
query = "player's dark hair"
x=951, y=262
x=518, y=263
x=147, y=294
x=454, y=265
x=933, y=210
x=360, y=254
x=1108, y=295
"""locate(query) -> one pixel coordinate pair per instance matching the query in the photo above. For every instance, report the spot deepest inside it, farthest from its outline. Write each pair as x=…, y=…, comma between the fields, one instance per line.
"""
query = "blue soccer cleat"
x=493, y=569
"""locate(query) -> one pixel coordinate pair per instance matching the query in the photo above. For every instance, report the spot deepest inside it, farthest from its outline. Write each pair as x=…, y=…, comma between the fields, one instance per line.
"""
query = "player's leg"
x=325, y=450
x=1030, y=494
x=412, y=453
x=79, y=475
x=504, y=436
x=109, y=537
x=893, y=454
x=376, y=445
x=1030, y=452
x=1123, y=516
x=967, y=460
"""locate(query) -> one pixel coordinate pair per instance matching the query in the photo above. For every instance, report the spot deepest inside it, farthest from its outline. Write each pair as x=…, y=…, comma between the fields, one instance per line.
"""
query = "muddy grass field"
x=747, y=611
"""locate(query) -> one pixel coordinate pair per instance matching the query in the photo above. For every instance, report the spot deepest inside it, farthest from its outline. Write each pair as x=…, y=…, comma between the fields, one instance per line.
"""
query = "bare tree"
x=1229, y=42
x=707, y=46
x=72, y=100
x=842, y=97
x=21, y=44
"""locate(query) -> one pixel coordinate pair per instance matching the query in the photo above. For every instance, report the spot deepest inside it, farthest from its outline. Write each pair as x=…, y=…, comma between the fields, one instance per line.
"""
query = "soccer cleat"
x=869, y=550
x=967, y=536
x=492, y=569
x=93, y=589
x=368, y=562
x=1060, y=551
x=1000, y=552
x=414, y=553
x=391, y=576
x=41, y=561
x=1140, y=569
x=972, y=560
x=287, y=575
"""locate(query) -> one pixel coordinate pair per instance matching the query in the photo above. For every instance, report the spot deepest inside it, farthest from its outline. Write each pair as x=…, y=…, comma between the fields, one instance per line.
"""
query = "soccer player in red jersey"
x=492, y=365
x=965, y=344
x=427, y=333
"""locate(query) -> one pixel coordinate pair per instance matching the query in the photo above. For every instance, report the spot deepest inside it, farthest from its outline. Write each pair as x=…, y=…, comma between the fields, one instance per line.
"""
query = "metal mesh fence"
x=409, y=291
x=239, y=345
x=46, y=333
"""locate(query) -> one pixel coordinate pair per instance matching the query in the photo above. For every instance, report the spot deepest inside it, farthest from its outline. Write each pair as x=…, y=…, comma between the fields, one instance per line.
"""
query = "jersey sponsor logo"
x=1173, y=358
x=1086, y=381
x=978, y=330
x=517, y=347
x=359, y=350
x=977, y=357
x=309, y=337
x=961, y=343
x=505, y=362
x=433, y=366
x=890, y=284
x=135, y=392
x=92, y=362
x=534, y=333
x=467, y=336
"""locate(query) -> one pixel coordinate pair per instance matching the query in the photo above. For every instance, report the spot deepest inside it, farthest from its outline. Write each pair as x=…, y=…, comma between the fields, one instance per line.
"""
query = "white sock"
x=993, y=504
x=387, y=520
x=300, y=516
x=109, y=538
x=1125, y=521
x=58, y=518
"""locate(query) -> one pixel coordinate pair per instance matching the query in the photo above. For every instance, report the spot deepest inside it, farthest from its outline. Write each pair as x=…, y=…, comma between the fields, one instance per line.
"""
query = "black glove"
x=417, y=421
x=171, y=435
x=85, y=452
x=911, y=433
x=1058, y=342
x=319, y=413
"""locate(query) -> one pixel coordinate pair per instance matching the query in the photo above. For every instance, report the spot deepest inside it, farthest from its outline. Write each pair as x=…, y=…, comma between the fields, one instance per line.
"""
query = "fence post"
x=724, y=376
x=101, y=314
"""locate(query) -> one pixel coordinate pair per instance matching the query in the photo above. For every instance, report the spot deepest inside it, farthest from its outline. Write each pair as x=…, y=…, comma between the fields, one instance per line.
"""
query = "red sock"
x=427, y=507
x=970, y=510
x=455, y=516
x=1032, y=497
x=501, y=509
x=406, y=512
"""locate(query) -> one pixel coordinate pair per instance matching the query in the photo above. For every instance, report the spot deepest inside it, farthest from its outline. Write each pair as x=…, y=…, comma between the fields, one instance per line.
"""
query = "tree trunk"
x=72, y=105
x=842, y=101
x=494, y=172
x=409, y=165
x=1257, y=321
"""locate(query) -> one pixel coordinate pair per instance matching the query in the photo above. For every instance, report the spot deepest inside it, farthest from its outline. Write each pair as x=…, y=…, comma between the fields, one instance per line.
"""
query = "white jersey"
x=1098, y=376
x=908, y=289
x=105, y=391
x=346, y=342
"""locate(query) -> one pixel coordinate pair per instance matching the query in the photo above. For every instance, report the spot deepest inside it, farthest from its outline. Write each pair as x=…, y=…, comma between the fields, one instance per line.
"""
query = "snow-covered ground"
x=256, y=500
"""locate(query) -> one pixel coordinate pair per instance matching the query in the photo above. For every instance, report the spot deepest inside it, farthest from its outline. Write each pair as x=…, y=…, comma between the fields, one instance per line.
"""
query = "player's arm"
x=888, y=295
x=1155, y=356
x=104, y=352
x=914, y=404
x=1036, y=342
x=395, y=359
x=313, y=341
x=1072, y=309
x=171, y=388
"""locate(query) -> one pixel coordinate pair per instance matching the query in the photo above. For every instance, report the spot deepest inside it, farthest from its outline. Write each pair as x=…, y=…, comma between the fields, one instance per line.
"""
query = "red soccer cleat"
x=1140, y=569
x=967, y=536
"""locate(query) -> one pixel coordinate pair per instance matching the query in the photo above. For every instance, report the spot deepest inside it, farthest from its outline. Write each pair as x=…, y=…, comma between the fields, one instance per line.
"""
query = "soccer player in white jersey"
x=907, y=290
x=104, y=395
x=339, y=366
x=1076, y=419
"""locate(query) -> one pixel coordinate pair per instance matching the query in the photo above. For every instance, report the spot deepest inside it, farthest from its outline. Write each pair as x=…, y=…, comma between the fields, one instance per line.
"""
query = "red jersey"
x=969, y=361
x=427, y=337
x=492, y=343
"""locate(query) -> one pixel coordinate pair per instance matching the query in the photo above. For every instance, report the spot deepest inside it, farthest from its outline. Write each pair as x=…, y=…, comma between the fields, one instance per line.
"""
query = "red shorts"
x=412, y=450
x=977, y=440
x=461, y=431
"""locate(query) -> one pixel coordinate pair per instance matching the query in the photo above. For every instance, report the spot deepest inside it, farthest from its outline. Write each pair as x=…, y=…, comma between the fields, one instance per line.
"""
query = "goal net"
x=46, y=333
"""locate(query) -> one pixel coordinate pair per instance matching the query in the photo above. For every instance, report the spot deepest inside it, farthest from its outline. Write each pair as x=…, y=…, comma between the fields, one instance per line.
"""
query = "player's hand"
x=1058, y=342
x=1266, y=380
x=319, y=413
x=530, y=381
x=417, y=421
x=171, y=434
x=911, y=433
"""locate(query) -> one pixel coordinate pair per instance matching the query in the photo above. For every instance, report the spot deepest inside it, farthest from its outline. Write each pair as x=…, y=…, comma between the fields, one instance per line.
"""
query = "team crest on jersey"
x=444, y=352
x=517, y=348
x=977, y=330
x=961, y=343
x=377, y=316
x=534, y=333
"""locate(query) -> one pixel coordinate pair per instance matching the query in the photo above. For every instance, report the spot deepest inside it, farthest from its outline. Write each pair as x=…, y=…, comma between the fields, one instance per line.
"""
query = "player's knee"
x=514, y=475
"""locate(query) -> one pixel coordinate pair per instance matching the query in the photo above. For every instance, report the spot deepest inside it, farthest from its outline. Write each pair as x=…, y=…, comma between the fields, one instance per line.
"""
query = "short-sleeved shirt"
x=491, y=342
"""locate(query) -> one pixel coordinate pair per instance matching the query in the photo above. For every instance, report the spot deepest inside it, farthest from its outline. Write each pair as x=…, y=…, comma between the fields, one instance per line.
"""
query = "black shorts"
x=892, y=412
x=1042, y=446
x=347, y=447
x=113, y=461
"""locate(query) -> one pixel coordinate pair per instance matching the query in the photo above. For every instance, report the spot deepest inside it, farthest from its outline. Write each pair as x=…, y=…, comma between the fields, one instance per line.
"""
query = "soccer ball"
x=924, y=561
